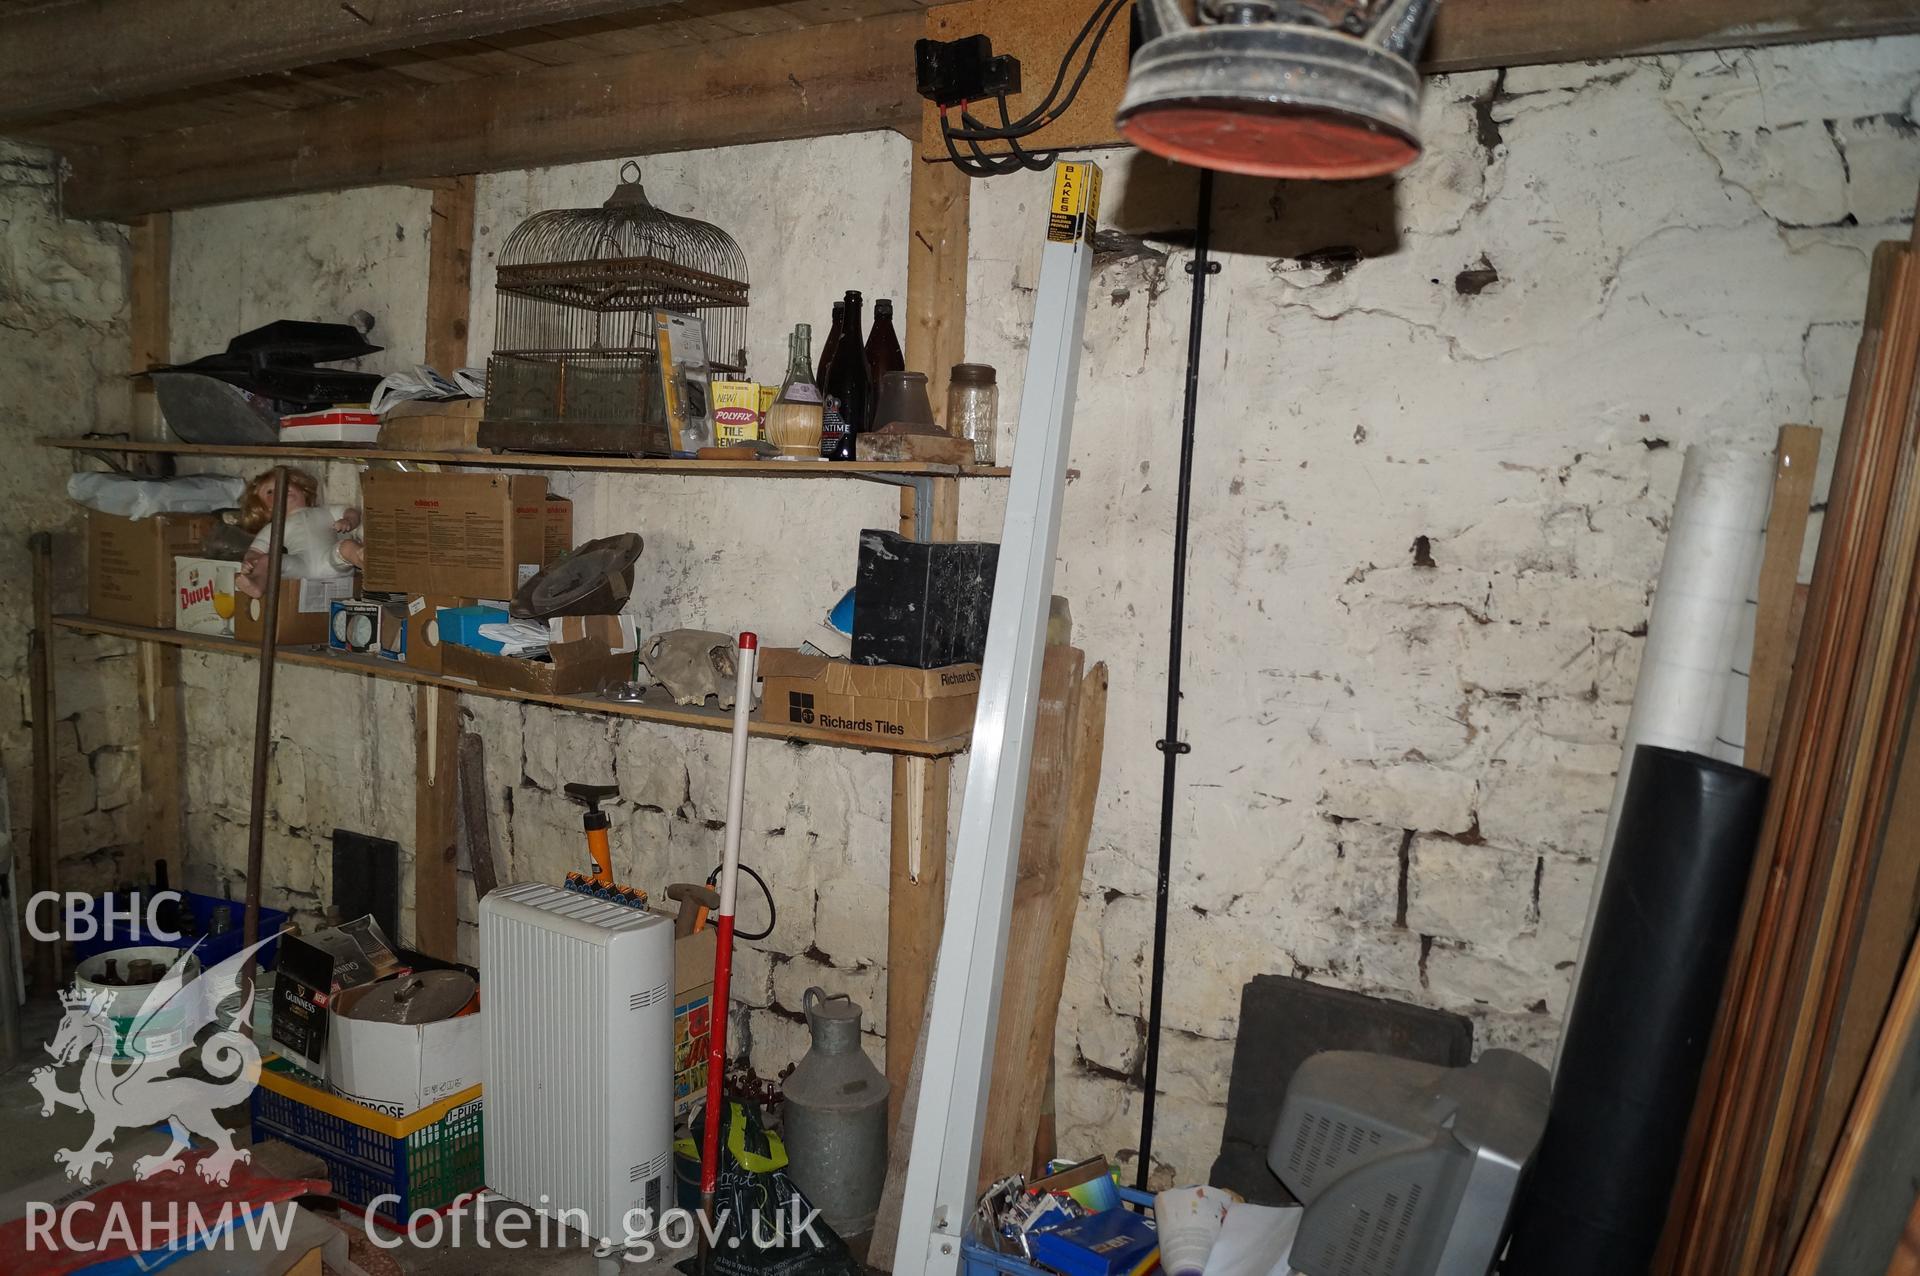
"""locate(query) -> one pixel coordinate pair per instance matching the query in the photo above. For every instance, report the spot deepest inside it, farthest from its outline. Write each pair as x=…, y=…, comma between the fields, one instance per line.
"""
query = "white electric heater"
x=579, y=1033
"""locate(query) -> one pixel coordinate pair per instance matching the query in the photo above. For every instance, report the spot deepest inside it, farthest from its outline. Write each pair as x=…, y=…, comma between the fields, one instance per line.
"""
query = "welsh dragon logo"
x=142, y=1091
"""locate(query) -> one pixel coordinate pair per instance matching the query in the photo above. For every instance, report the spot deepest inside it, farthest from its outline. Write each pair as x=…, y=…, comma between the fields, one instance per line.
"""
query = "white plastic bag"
x=133, y=497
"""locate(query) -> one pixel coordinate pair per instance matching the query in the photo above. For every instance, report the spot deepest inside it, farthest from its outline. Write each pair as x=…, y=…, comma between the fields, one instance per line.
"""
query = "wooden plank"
x=1796, y=457
x=149, y=296
x=450, y=274
x=43, y=854
x=1476, y=34
x=843, y=78
x=476, y=823
x=1886, y=935
x=545, y=460
x=939, y=203
x=436, y=732
x=1062, y=787
x=1889, y=1051
x=162, y=754
x=917, y=855
x=66, y=56
x=658, y=707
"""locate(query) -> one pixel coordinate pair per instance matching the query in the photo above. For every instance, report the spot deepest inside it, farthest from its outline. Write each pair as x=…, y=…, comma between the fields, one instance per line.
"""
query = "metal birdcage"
x=574, y=348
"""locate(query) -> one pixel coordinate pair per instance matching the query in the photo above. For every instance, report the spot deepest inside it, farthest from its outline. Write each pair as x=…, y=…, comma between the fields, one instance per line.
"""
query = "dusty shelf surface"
x=656, y=707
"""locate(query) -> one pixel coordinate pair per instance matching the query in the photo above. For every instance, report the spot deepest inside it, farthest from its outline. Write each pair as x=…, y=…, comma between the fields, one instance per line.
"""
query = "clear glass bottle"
x=793, y=422
x=973, y=402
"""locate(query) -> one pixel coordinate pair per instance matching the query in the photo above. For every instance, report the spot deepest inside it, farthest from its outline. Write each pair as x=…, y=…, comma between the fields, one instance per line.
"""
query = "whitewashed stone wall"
x=1441, y=422
x=63, y=356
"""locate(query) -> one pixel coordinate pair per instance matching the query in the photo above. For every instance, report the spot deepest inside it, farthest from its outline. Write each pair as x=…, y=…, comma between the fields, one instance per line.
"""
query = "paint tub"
x=174, y=1025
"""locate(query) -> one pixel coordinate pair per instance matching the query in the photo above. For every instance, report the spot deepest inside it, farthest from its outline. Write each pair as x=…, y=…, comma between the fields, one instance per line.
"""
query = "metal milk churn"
x=835, y=1125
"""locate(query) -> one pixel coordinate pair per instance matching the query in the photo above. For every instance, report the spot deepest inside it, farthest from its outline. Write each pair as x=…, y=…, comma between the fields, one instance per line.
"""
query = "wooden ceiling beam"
x=69, y=56
x=845, y=77
x=1479, y=34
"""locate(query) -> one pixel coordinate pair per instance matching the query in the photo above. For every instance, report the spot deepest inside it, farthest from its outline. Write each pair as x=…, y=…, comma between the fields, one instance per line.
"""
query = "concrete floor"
x=28, y=1142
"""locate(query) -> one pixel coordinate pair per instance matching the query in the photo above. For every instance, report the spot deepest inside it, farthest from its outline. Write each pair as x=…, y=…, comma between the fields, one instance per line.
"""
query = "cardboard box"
x=130, y=564
x=692, y=1019
x=311, y=970
x=559, y=528
x=474, y=535
x=582, y=668
x=203, y=601
x=353, y=624
x=400, y=1068
x=620, y=633
x=306, y=607
x=413, y=636
x=889, y=702
x=425, y=425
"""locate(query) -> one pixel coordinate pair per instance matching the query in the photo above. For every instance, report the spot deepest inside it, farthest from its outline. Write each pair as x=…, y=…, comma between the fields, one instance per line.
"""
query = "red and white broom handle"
x=744, y=661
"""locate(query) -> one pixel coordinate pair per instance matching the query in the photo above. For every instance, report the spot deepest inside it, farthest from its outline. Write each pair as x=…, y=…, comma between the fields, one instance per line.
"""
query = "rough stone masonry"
x=1441, y=423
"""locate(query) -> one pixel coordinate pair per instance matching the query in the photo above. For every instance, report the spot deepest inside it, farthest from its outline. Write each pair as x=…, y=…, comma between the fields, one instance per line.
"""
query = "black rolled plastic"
x=1597, y=1196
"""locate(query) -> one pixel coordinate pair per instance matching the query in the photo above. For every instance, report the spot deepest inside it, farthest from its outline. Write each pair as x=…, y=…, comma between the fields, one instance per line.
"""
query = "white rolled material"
x=1700, y=627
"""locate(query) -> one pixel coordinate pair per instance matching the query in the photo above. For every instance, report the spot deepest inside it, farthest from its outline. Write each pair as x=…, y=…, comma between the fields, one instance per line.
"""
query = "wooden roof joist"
x=72, y=55
x=846, y=77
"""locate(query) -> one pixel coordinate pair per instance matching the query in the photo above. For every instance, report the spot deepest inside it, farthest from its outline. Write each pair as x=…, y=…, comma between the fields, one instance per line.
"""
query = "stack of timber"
x=1817, y=1010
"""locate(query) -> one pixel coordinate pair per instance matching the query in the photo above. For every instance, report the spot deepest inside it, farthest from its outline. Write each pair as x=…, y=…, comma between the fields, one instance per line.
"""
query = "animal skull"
x=692, y=664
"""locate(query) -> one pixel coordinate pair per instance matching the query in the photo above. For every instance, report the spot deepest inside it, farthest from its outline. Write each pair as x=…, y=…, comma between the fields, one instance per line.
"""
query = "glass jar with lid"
x=973, y=401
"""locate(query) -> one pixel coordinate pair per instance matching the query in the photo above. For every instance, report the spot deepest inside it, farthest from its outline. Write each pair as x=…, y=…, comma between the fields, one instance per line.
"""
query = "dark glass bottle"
x=883, y=355
x=846, y=388
x=830, y=344
x=168, y=914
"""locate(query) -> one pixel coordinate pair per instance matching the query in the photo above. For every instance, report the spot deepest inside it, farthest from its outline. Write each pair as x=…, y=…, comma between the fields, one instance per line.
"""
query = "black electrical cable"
x=971, y=131
x=714, y=877
x=1170, y=744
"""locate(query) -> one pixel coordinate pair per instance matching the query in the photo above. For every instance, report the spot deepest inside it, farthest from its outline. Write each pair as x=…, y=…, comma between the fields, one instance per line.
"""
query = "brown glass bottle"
x=846, y=388
x=883, y=355
x=830, y=344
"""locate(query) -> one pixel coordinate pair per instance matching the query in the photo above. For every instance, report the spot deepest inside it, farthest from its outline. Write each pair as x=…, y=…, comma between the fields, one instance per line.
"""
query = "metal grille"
x=577, y=287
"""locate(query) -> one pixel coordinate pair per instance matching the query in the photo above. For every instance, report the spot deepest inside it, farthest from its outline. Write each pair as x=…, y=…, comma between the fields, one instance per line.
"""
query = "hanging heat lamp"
x=1279, y=88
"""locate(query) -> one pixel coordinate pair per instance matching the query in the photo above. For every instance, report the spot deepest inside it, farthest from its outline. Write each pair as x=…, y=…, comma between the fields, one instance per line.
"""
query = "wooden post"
x=450, y=274
x=917, y=901
x=162, y=730
x=1796, y=457
x=149, y=297
x=44, y=848
x=436, y=735
x=436, y=711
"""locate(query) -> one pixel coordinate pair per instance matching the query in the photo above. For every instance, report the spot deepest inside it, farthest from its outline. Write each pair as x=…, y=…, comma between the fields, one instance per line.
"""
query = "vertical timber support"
x=436, y=711
x=936, y=340
x=162, y=737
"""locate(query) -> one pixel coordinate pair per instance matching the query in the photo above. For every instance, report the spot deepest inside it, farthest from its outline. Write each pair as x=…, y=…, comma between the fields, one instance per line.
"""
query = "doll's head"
x=256, y=508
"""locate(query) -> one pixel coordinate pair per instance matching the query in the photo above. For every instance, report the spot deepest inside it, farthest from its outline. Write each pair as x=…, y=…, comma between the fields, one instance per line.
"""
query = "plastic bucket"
x=172, y=1028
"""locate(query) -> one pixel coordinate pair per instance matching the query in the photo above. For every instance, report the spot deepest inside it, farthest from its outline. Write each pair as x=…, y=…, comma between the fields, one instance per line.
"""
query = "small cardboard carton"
x=888, y=702
x=130, y=564
x=400, y=1068
x=413, y=636
x=474, y=535
x=429, y=425
x=203, y=601
x=692, y=1019
x=305, y=608
x=583, y=668
x=310, y=970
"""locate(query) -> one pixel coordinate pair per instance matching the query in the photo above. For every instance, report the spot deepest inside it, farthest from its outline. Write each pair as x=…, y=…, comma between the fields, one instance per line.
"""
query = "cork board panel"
x=1037, y=34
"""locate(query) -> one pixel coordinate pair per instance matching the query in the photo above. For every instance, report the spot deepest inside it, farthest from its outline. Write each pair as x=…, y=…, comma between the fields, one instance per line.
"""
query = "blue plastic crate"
x=213, y=948
x=983, y=1260
x=429, y=1159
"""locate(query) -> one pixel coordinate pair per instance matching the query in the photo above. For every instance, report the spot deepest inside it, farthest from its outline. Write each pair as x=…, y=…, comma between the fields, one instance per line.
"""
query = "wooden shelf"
x=657, y=707
x=882, y=470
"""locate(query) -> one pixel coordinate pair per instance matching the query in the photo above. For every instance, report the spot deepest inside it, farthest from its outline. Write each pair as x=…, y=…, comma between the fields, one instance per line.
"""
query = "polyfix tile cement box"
x=473, y=535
